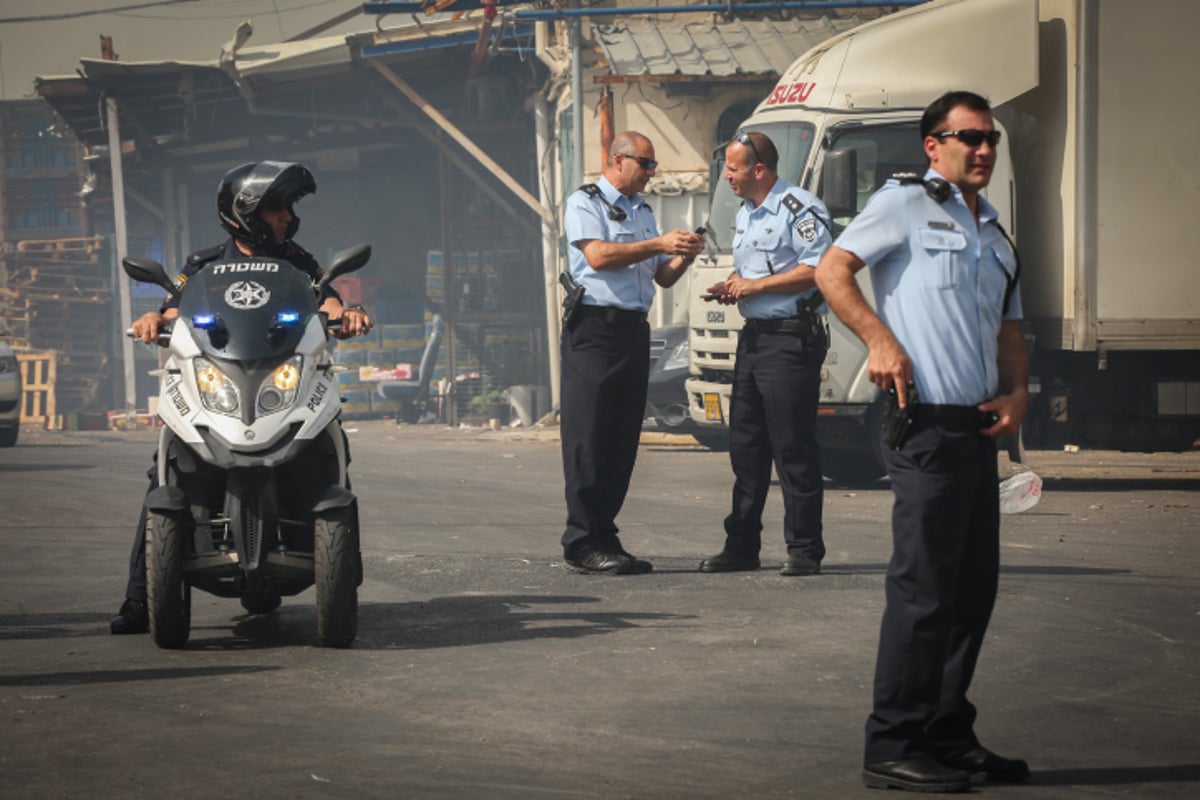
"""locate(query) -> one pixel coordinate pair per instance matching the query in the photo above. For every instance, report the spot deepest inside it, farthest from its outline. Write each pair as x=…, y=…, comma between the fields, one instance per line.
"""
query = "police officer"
x=947, y=322
x=617, y=255
x=781, y=233
x=255, y=203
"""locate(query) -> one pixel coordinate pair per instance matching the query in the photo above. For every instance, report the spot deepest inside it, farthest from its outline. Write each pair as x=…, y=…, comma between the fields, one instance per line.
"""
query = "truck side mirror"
x=839, y=182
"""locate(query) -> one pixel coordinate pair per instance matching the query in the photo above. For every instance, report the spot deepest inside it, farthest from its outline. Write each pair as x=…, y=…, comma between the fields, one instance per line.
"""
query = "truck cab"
x=842, y=130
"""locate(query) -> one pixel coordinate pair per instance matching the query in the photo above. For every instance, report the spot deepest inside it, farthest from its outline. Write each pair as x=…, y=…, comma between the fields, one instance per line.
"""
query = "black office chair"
x=413, y=393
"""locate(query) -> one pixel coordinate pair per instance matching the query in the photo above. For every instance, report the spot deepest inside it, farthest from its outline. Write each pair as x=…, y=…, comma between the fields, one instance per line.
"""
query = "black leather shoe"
x=920, y=774
x=800, y=565
x=726, y=561
x=983, y=762
x=132, y=618
x=597, y=563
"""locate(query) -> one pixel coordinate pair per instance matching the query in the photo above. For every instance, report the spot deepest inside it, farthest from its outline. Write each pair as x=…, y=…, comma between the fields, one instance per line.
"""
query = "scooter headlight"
x=217, y=392
x=281, y=387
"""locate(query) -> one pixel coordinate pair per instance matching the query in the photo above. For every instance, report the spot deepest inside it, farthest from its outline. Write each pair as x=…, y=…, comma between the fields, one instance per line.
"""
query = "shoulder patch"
x=590, y=189
x=792, y=203
x=807, y=228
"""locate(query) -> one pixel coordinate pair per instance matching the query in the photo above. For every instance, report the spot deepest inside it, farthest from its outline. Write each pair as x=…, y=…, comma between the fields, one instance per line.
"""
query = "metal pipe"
x=416, y=8
x=1086, y=69
x=623, y=11
x=543, y=127
x=579, y=165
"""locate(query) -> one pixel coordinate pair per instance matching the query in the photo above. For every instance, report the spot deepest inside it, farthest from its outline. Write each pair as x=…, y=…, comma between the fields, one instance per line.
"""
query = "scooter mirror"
x=345, y=261
x=147, y=271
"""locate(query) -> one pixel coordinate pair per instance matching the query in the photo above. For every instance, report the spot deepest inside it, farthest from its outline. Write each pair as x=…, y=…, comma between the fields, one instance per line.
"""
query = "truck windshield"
x=794, y=142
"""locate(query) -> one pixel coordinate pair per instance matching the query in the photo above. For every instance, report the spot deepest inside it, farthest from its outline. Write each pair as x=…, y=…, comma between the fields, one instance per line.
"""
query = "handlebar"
x=164, y=331
x=164, y=334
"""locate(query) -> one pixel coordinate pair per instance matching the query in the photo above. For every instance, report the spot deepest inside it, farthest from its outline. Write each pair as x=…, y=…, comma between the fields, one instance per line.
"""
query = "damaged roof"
x=664, y=50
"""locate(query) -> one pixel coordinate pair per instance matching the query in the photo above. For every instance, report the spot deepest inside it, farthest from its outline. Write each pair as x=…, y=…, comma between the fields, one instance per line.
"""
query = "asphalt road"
x=483, y=669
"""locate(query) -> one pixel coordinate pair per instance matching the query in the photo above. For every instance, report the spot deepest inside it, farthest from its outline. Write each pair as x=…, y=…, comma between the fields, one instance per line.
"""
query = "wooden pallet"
x=38, y=373
x=83, y=244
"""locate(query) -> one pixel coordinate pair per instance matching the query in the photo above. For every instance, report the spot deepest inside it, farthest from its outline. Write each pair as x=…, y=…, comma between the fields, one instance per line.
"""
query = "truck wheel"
x=336, y=555
x=260, y=603
x=8, y=436
x=169, y=598
x=851, y=467
x=716, y=439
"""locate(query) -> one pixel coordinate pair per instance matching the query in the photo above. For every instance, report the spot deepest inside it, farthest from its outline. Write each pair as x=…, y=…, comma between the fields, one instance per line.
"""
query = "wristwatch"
x=356, y=307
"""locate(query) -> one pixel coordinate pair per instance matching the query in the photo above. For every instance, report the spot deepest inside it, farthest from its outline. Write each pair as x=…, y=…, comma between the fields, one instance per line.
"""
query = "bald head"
x=631, y=162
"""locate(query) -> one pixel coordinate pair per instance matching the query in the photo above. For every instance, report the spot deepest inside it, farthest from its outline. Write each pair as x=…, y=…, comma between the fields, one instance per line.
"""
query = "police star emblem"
x=807, y=228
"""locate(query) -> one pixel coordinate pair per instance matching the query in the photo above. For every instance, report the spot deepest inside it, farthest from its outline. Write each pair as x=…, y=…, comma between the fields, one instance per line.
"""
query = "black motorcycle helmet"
x=261, y=185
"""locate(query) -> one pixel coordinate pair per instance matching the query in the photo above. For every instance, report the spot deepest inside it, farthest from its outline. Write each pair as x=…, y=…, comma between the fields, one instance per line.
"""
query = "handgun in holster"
x=572, y=297
x=896, y=420
x=816, y=334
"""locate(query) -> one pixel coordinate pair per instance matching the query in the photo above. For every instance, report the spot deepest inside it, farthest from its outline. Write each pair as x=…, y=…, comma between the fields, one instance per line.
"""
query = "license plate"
x=712, y=407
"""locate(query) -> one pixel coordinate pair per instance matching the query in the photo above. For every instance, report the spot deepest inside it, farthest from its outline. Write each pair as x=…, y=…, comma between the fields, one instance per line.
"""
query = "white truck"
x=1094, y=177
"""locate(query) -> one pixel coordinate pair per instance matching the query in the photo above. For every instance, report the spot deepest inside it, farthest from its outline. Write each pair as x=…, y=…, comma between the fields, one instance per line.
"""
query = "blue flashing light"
x=287, y=317
x=204, y=320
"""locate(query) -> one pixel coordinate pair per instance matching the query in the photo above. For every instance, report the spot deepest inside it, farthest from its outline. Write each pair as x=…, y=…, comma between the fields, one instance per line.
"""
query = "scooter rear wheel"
x=336, y=545
x=169, y=598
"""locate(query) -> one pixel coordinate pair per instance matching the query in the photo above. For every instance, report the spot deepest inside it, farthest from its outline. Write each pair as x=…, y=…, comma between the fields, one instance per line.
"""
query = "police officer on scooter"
x=255, y=203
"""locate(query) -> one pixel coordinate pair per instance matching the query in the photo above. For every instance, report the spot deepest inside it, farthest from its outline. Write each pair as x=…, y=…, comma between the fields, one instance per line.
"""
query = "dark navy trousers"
x=940, y=590
x=772, y=419
x=605, y=367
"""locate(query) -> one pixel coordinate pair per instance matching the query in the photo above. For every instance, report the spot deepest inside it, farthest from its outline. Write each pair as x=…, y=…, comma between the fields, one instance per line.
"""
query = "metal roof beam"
x=463, y=141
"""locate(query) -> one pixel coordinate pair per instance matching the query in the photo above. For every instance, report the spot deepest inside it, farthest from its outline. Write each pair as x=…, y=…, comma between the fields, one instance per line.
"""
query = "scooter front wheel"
x=169, y=598
x=335, y=543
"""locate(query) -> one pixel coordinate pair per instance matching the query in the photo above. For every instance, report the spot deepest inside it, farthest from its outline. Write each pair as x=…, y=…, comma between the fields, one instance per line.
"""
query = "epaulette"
x=806, y=228
x=937, y=188
x=614, y=213
x=206, y=255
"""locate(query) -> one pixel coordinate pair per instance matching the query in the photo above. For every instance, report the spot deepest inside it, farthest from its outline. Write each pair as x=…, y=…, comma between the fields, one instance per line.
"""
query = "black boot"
x=132, y=618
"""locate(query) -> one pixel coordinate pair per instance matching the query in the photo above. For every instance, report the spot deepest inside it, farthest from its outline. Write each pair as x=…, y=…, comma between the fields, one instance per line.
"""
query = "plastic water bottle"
x=1020, y=493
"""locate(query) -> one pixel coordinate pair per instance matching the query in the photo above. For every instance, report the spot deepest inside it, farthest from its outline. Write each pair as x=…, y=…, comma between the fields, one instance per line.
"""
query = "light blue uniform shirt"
x=771, y=238
x=586, y=218
x=939, y=286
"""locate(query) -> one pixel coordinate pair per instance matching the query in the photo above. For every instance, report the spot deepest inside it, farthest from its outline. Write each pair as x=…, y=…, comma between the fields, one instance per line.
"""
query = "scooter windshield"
x=249, y=309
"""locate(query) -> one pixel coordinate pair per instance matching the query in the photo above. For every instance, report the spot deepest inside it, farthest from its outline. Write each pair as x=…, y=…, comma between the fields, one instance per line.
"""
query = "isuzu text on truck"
x=1094, y=176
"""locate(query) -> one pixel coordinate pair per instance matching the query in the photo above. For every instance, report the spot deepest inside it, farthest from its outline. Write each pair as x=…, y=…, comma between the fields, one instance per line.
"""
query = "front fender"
x=334, y=497
x=167, y=498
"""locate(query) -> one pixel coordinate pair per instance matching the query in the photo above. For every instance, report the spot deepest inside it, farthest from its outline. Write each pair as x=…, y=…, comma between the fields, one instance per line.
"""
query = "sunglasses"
x=971, y=137
x=643, y=162
x=741, y=137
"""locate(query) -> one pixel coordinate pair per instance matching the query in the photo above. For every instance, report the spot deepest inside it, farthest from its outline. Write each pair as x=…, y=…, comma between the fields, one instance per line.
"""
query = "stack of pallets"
x=61, y=299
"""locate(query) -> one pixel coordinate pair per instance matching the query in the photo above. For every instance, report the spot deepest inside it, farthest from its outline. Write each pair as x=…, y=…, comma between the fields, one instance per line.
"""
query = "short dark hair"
x=937, y=111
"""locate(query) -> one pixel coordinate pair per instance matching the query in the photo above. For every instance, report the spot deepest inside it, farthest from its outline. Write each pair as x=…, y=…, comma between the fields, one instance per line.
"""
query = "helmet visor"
x=273, y=185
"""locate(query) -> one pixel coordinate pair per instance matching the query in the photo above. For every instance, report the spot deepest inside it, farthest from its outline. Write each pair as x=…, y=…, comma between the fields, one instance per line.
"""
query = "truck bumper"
x=708, y=403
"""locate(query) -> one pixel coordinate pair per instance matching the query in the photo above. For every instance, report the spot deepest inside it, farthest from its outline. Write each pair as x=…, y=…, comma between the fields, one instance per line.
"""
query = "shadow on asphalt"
x=125, y=675
x=460, y=621
x=1115, y=776
x=457, y=621
x=50, y=626
x=1121, y=485
x=24, y=467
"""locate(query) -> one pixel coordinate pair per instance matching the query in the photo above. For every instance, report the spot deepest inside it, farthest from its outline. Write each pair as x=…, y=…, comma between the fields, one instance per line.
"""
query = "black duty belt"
x=790, y=325
x=616, y=316
x=962, y=417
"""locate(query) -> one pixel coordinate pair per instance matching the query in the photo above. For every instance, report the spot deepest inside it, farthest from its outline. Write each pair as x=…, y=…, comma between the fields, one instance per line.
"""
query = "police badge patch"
x=807, y=228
